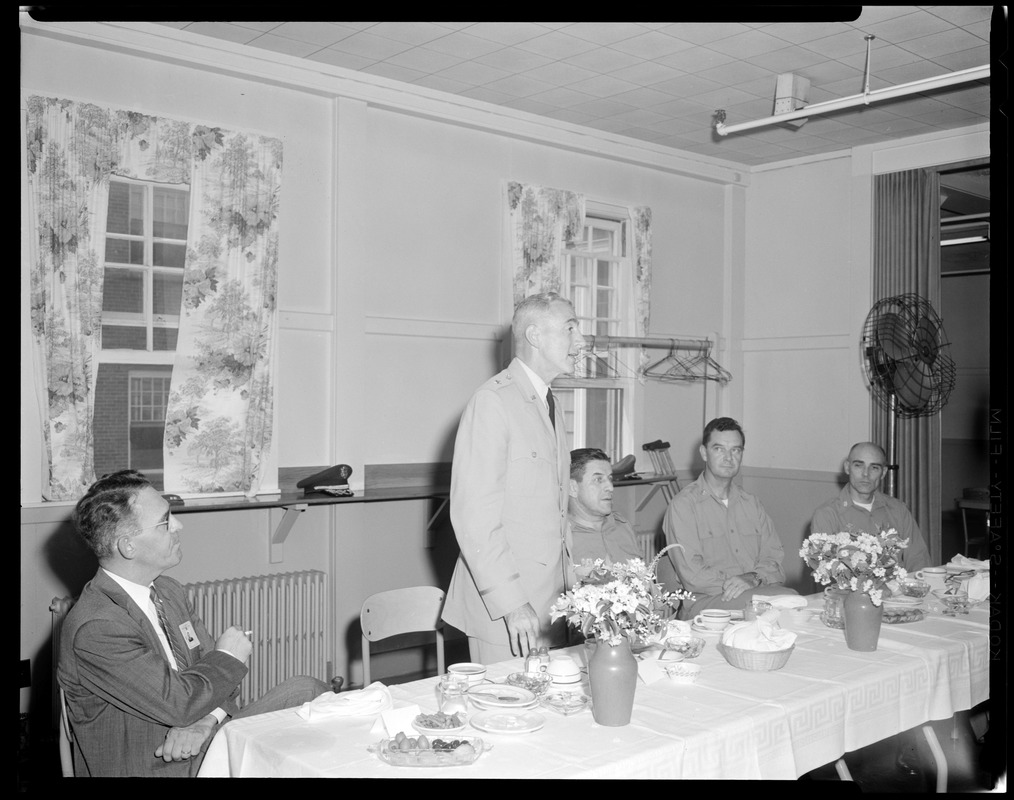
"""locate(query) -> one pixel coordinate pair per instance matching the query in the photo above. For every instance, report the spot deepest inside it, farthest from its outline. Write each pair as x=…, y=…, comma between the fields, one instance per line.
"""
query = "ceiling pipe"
x=915, y=87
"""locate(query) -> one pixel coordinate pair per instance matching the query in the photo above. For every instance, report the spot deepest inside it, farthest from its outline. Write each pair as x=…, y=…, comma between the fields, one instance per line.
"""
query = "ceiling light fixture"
x=867, y=97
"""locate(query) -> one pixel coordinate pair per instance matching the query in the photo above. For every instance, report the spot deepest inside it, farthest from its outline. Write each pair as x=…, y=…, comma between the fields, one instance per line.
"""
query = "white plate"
x=501, y=695
x=566, y=703
x=903, y=601
x=699, y=629
x=498, y=721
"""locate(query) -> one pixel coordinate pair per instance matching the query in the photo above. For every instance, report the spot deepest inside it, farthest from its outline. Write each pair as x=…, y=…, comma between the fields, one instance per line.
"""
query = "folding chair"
x=412, y=610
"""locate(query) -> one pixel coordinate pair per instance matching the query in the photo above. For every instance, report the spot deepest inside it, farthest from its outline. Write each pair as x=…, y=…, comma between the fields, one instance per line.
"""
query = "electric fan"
x=908, y=372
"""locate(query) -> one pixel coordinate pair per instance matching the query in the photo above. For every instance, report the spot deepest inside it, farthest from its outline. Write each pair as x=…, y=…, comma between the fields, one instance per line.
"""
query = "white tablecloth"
x=826, y=701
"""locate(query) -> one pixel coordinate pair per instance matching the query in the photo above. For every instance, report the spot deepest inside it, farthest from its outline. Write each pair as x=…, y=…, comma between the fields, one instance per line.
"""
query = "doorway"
x=965, y=311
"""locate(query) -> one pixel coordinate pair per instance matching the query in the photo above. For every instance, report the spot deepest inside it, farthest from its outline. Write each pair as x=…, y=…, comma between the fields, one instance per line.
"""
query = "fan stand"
x=892, y=435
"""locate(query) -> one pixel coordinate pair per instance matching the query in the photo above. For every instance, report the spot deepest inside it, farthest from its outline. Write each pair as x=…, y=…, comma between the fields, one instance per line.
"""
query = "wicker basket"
x=757, y=660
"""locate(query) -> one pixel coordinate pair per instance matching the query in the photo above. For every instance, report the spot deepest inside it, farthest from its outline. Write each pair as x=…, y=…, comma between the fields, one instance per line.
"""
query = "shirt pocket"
x=716, y=548
x=531, y=472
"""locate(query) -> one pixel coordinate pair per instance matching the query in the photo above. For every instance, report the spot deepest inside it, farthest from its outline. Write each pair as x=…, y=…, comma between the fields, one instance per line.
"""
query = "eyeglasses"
x=136, y=531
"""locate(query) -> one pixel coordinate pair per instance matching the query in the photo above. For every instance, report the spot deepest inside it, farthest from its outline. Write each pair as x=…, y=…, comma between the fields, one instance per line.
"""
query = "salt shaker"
x=533, y=664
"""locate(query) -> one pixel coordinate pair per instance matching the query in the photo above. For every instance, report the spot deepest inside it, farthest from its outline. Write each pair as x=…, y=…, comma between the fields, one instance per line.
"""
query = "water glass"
x=834, y=613
x=452, y=694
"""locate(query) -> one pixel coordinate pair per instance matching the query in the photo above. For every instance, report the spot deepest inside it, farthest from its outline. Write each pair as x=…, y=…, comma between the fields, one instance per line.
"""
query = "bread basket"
x=756, y=660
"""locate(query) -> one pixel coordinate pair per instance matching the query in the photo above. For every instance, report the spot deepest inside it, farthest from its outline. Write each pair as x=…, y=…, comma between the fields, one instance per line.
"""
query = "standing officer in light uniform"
x=509, y=492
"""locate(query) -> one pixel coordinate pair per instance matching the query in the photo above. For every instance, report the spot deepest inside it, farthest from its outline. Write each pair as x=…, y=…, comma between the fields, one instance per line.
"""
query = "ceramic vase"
x=612, y=674
x=862, y=621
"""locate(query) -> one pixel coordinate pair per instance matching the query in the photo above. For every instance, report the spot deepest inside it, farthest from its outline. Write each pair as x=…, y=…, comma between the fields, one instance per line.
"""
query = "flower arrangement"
x=861, y=562
x=613, y=601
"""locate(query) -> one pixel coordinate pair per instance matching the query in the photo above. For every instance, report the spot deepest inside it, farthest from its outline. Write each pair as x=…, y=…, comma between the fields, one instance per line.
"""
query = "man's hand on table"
x=522, y=629
x=184, y=743
x=737, y=584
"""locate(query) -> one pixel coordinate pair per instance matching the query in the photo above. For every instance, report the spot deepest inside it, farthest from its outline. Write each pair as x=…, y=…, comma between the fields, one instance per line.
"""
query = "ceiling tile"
x=942, y=44
x=705, y=32
x=788, y=59
x=748, y=45
x=653, y=44
x=414, y=33
x=282, y=44
x=471, y=73
x=605, y=33
x=224, y=30
x=513, y=59
x=463, y=46
x=907, y=27
x=605, y=60
x=804, y=32
x=322, y=35
x=562, y=97
x=602, y=86
x=507, y=33
x=696, y=59
x=560, y=73
x=424, y=60
x=336, y=58
x=369, y=46
x=556, y=45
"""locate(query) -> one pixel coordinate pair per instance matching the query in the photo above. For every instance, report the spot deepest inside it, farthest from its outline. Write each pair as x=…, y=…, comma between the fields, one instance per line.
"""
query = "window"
x=146, y=242
x=596, y=401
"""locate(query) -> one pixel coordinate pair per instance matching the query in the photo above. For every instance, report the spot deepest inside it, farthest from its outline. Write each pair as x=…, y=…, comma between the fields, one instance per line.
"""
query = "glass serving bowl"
x=536, y=683
x=388, y=751
x=911, y=588
x=687, y=646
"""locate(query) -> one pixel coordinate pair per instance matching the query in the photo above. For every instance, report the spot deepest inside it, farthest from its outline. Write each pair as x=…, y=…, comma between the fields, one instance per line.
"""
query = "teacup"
x=472, y=672
x=934, y=576
x=714, y=619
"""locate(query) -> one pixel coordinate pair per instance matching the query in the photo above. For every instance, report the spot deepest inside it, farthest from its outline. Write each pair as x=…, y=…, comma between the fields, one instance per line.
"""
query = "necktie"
x=181, y=660
x=552, y=407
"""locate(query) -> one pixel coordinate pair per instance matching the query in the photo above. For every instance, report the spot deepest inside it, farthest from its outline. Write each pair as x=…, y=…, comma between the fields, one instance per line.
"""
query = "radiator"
x=287, y=613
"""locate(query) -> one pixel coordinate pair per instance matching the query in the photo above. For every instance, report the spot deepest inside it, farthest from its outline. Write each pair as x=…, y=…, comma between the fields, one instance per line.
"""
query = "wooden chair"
x=412, y=610
x=58, y=609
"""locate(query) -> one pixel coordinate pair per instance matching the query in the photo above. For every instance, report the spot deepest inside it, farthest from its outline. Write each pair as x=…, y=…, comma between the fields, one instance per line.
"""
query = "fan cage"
x=903, y=354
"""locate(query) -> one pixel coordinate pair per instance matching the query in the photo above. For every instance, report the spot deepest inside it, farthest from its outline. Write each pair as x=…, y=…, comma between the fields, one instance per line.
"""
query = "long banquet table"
x=732, y=724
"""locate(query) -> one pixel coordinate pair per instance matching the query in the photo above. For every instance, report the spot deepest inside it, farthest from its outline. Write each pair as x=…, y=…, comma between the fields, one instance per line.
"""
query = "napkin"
x=652, y=670
x=372, y=700
x=978, y=586
x=399, y=719
x=969, y=563
x=761, y=634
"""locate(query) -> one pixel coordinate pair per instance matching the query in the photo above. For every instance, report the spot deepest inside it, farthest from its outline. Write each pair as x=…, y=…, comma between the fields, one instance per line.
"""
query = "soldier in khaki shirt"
x=730, y=549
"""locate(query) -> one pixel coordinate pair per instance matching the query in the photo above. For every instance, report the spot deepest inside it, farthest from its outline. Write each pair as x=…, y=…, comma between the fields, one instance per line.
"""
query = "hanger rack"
x=687, y=359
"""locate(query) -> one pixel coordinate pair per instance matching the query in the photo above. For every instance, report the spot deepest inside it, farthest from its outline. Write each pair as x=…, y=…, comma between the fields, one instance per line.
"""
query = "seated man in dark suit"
x=145, y=683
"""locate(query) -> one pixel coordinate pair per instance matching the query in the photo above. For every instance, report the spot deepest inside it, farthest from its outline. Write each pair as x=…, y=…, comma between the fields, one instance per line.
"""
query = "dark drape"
x=906, y=258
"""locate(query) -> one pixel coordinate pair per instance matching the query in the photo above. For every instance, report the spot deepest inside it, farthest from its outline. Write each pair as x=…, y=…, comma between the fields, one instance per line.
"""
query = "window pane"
x=164, y=338
x=168, y=294
x=123, y=251
x=602, y=240
x=126, y=209
x=123, y=337
x=123, y=290
x=146, y=446
x=169, y=215
x=164, y=254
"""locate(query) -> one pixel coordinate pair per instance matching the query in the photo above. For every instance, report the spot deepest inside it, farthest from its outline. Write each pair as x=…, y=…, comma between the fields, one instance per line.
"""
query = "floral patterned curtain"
x=218, y=421
x=543, y=222
x=640, y=225
x=73, y=150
